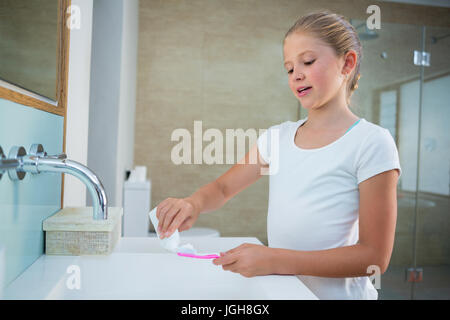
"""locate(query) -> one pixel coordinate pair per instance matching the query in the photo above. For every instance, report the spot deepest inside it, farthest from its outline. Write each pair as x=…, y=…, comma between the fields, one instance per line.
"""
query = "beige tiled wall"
x=219, y=62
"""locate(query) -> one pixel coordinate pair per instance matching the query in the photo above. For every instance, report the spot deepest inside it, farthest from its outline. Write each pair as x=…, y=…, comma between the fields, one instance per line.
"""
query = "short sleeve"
x=266, y=142
x=377, y=154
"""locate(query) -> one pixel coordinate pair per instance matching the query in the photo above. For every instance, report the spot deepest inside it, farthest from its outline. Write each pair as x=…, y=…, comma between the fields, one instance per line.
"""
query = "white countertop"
x=139, y=268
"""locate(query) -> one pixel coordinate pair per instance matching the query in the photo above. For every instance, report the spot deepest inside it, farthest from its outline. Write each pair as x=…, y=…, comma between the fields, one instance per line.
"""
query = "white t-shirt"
x=314, y=196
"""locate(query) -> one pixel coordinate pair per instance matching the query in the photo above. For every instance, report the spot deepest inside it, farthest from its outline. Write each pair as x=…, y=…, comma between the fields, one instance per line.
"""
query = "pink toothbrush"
x=196, y=256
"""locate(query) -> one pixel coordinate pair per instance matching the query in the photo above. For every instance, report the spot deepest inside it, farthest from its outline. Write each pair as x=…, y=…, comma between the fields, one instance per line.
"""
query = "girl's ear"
x=350, y=60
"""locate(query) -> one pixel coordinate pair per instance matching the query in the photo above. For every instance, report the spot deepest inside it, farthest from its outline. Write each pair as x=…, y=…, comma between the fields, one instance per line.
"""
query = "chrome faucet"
x=37, y=161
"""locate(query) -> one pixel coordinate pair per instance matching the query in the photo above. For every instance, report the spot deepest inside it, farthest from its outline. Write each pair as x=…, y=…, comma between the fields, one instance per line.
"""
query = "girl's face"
x=310, y=62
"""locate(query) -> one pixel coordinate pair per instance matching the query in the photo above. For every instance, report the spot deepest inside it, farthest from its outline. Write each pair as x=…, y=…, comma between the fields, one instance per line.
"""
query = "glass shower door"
x=431, y=256
x=389, y=95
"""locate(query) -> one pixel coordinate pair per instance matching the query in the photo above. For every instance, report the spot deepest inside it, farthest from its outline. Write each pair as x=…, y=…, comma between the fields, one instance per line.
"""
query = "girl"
x=332, y=201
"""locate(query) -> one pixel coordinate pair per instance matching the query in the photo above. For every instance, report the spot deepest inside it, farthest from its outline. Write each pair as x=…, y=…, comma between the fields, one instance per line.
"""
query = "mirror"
x=29, y=45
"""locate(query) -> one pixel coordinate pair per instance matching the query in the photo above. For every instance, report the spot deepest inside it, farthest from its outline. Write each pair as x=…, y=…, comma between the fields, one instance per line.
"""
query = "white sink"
x=140, y=269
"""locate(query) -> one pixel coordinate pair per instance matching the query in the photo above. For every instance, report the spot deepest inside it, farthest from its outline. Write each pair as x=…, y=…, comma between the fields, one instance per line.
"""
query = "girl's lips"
x=304, y=92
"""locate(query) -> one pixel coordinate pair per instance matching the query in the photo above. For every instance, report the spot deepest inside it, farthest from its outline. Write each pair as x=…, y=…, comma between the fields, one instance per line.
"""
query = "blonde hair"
x=338, y=33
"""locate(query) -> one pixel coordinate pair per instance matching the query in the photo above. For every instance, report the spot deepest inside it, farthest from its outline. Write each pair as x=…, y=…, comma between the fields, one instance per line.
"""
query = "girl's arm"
x=377, y=217
x=377, y=220
x=181, y=214
x=215, y=194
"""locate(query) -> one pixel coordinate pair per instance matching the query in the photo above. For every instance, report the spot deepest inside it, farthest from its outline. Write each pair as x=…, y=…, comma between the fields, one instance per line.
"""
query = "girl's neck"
x=334, y=115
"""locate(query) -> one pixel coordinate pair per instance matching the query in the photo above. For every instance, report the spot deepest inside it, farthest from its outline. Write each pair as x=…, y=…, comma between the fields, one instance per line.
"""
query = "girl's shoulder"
x=281, y=129
x=286, y=125
x=370, y=131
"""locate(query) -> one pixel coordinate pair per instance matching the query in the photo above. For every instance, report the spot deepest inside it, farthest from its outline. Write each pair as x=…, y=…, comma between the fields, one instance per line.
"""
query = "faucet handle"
x=17, y=153
x=38, y=150
x=61, y=156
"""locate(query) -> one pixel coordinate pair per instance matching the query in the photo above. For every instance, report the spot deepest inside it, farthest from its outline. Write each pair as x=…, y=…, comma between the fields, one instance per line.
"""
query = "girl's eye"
x=306, y=63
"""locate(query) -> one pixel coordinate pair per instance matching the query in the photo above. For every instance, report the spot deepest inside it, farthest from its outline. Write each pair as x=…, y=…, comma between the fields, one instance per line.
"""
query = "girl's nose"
x=299, y=76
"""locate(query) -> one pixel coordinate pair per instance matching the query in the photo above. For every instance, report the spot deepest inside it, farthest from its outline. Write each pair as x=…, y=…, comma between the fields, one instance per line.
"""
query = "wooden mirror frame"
x=32, y=101
x=60, y=107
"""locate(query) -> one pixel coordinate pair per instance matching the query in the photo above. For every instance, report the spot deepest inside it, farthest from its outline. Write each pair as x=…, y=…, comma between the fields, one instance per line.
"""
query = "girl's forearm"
x=208, y=198
x=349, y=261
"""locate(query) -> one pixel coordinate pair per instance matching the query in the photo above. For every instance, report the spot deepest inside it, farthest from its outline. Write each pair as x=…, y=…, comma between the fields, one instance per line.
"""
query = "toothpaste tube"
x=171, y=243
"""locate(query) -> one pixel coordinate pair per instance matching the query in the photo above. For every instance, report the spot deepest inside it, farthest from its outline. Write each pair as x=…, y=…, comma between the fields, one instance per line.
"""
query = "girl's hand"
x=175, y=214
x=248, y=259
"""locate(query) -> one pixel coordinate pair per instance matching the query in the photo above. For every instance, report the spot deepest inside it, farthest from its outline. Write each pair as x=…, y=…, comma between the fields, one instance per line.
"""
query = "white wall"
x=127, y=105
x=78, y=101
x=113, y=93
x=105, y=93
x=102, y=96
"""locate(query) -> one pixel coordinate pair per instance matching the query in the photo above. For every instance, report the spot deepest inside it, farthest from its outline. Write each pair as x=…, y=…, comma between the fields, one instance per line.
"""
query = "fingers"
x=178, y=219
x=161, y=210
x=226, y=260
x=233, y=267
x=162, y=215
x=167, y=220
x=234, y=250
x=186, y=225
x=234, y=260
x=174, y=214
x=161, y=206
